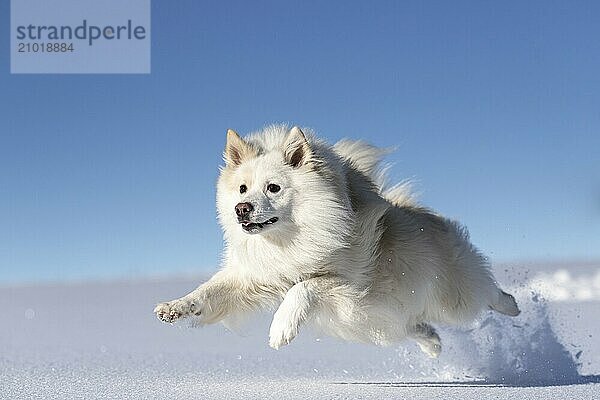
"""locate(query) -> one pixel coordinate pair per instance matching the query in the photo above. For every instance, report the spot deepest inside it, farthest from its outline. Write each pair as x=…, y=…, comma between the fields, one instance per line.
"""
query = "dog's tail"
x=505, y=304
x=367, y=159
x=400, y=195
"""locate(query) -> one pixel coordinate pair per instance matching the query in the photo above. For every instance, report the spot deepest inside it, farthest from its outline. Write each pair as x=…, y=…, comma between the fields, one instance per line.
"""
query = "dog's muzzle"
x=255, y=227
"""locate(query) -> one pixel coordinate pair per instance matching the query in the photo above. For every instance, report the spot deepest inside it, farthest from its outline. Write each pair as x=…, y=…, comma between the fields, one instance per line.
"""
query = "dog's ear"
x=296, y=149
x=236, y=149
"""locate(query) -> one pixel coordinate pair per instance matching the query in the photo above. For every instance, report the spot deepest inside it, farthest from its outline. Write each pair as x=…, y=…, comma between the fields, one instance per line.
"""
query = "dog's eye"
x=273, y=188
x=243, y=188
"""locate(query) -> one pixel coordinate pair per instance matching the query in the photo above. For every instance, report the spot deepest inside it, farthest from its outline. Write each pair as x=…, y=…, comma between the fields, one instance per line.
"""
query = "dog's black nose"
x=242, y=210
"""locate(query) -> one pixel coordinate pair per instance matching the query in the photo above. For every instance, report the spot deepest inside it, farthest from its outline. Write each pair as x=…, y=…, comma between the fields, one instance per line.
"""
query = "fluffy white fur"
x=361, y=261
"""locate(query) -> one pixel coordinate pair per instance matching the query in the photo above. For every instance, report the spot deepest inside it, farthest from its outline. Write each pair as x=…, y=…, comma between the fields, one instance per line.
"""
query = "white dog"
x=312, y=229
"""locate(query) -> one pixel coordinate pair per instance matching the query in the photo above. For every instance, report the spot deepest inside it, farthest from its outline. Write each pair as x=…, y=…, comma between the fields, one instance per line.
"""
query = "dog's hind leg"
x=427, y=339
x=505, y=304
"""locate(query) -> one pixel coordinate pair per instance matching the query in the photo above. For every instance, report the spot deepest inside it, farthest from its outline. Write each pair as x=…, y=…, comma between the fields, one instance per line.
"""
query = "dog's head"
x=260, y=185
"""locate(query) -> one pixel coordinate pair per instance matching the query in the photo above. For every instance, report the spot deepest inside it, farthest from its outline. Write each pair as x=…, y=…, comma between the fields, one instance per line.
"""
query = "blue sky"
x=494, y=107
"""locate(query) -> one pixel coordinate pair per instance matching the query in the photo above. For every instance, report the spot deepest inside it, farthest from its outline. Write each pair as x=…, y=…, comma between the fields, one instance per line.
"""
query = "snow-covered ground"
x=101, y=340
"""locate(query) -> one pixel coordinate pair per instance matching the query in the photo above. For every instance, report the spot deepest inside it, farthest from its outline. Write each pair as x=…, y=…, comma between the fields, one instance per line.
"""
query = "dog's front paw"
x=283, y=330
x=171, y=311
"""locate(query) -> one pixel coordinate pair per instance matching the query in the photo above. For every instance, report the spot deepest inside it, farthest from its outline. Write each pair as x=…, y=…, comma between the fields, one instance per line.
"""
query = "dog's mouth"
x=255, y=227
